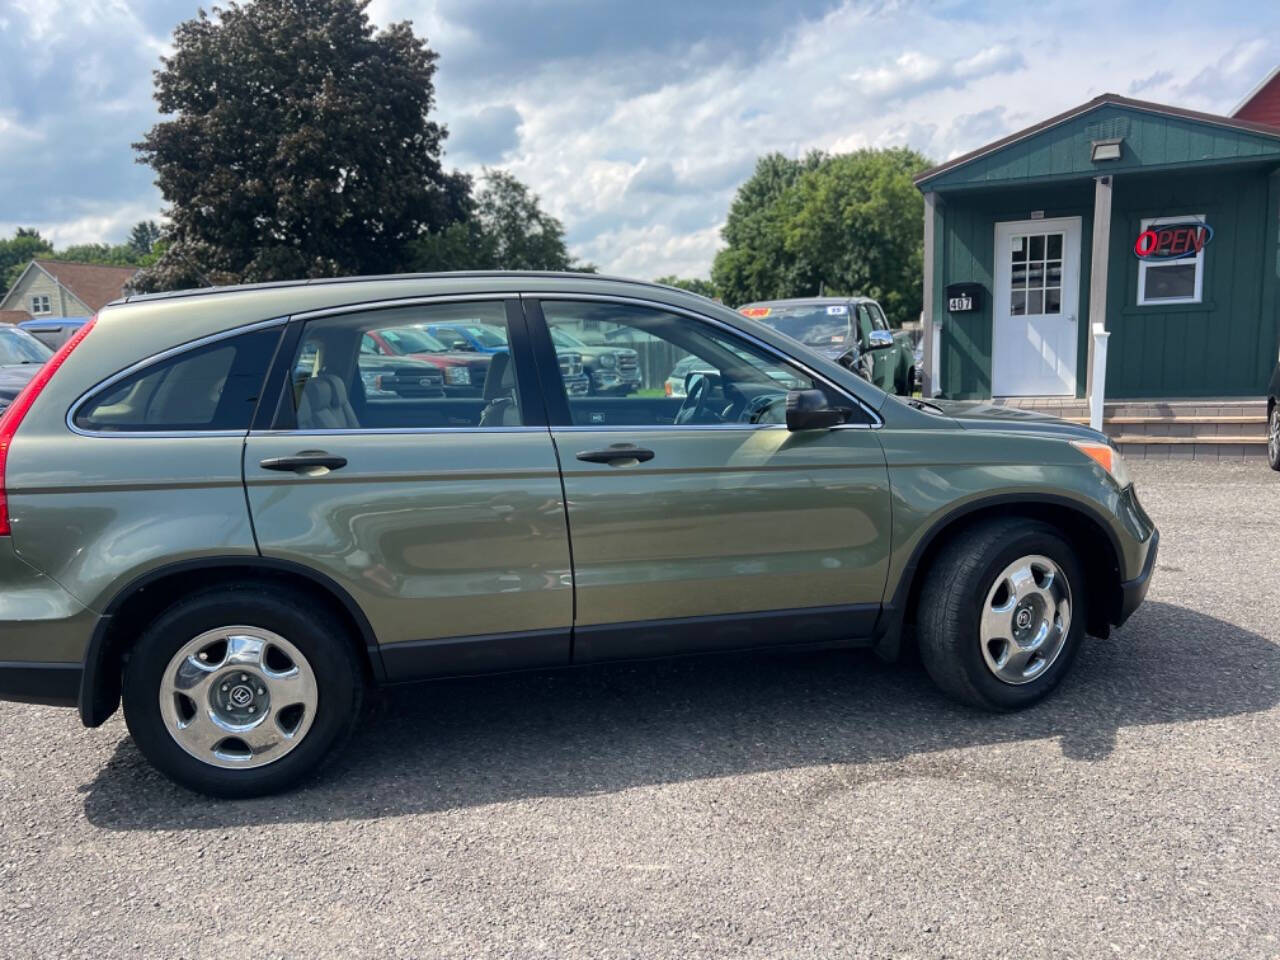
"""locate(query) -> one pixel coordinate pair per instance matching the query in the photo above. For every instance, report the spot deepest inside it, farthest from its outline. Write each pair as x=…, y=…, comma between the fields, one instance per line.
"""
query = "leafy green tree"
x=15, y=253
x=507, y=230
x=116, y=255
x=755, y=264
x=848, y=224
x=694, y=285
x=299, y=144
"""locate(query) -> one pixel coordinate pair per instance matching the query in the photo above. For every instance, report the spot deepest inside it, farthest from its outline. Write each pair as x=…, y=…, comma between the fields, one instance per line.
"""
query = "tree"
x=755, y=265
x=694, y=285
x=15, y=253
x=507, y=230
x=300, y=145
x=143, y=237
x=847, y=224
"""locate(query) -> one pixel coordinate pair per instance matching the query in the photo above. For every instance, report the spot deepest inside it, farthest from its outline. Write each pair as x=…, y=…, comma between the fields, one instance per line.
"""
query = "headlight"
x=608, y=360
x=1107, y=457
x=373, y=384
x=458, y=376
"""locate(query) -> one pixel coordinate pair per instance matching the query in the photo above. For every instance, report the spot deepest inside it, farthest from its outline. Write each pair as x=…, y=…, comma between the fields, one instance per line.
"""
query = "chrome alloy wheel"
x=1273, y=435
x=238, y=697
x=1026, y=619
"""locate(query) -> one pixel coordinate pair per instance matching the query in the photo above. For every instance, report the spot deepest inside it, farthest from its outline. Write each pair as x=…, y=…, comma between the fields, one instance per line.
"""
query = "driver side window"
x=632, y=366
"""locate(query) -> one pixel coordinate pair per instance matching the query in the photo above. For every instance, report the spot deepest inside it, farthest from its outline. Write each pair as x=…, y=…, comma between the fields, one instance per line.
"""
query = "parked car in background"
x=1273, y=419
x=676, y=384
x=483, y=338
x=851, y=331
x=464, y=373
x=612, y=371
x=21, y=355
x=54, y=331
x=204, y=515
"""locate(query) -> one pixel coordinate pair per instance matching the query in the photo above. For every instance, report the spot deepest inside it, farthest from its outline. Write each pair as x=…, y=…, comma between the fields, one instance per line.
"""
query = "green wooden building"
x=1034, y=239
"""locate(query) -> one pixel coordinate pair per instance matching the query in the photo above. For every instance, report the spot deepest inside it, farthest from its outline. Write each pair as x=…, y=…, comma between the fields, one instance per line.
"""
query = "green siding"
x=1151, y=140
x=1226, y=344
x=967, y=238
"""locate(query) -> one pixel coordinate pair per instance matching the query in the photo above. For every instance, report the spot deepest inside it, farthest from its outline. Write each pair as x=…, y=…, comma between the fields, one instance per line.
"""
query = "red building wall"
x=1263, y=106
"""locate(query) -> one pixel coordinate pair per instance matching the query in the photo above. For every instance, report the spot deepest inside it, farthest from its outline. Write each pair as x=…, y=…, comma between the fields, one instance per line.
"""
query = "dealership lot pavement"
x=812, y=805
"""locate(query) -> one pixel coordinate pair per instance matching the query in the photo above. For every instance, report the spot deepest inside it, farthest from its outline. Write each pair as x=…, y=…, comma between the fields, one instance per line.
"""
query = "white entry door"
x=1035, y=306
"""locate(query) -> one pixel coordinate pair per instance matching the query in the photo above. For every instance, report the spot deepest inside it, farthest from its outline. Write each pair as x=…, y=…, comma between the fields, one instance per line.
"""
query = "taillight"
x=13, y=415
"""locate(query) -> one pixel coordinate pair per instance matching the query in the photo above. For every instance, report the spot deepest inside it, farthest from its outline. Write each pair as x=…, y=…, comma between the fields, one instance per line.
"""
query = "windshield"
x=486, y=336
x=17, y=347
x=412, y=340
x=813, y=325
x=562, y=339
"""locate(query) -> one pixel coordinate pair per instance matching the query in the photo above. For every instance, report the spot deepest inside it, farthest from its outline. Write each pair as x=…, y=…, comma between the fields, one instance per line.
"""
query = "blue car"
x=483, y=338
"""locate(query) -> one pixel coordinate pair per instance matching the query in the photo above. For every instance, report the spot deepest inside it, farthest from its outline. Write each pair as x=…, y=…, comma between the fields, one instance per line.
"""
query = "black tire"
x=1273, y=437
x=951, y=603
x=331, y=656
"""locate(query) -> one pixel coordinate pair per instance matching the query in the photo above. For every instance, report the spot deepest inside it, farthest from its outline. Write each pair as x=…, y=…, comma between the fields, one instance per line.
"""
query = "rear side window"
x=213, y=387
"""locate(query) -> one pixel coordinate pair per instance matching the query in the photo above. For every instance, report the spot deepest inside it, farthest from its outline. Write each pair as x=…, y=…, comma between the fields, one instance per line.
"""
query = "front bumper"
x=1133, y=592
x=56, y=684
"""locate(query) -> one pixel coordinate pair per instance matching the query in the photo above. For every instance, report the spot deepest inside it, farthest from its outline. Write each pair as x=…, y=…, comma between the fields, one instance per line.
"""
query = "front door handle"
x=308, y=461
x=617, y=454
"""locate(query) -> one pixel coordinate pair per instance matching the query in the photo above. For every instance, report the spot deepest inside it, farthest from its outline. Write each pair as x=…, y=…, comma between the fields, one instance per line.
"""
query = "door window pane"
x=387, y=369
x=214, y=387
x=1035, y=275
x=645, y=367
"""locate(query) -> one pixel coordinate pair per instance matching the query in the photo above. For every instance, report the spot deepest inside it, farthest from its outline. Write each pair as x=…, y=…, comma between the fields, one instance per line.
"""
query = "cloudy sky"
x=636, y=120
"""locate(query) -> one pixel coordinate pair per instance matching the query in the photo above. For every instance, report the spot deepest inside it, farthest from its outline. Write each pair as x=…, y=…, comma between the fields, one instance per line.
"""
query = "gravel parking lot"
x=812, y=805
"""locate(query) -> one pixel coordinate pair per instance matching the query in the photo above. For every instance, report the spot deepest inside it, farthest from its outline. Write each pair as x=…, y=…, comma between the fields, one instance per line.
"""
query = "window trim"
x=38, y=299
x=104, y=385
x=1145, y=265
x=557, y=403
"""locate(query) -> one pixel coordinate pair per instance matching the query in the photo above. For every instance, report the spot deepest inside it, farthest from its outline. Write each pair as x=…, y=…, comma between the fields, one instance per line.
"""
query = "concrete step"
x=1139, y=438
x=1195, y=450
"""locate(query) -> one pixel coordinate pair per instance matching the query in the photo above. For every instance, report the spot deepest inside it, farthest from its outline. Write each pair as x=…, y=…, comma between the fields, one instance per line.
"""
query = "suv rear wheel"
x=236, y=692
x=1002, y=614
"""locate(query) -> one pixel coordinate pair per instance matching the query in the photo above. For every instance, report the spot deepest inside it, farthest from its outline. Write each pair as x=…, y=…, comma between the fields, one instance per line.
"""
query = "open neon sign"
x=1173, y=241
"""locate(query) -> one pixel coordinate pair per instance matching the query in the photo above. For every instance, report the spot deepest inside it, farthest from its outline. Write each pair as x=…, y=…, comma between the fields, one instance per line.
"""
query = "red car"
x=464, y=373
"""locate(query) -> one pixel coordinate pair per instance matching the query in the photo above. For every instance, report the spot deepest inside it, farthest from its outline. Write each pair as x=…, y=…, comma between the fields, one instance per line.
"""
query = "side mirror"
x=460, y=345
x=809, y=410
x=879, y=340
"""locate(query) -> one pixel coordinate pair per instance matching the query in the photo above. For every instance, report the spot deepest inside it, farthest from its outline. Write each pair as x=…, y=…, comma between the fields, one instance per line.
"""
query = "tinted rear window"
x=213, y=387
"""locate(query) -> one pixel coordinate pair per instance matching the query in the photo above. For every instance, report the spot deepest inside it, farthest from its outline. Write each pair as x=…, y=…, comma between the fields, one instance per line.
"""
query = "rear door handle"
x=617, y=453
x=308, y=461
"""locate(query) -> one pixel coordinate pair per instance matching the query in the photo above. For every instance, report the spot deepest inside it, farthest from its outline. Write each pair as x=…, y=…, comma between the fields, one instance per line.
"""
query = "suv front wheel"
x=1002, y=614
x=236, y=692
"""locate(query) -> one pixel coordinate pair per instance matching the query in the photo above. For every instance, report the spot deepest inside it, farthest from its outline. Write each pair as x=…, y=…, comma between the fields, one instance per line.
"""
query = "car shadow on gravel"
x=462, y=743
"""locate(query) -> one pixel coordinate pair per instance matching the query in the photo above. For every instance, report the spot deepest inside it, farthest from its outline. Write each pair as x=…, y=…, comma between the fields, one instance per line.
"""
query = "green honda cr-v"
x=204, y=511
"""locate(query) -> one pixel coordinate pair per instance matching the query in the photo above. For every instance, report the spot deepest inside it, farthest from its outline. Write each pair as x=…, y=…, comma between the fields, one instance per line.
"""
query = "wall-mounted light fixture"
x=1107, y=149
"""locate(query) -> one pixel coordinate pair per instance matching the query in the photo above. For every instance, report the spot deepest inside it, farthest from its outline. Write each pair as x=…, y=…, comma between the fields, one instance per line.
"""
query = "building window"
x=40, y=304
x=1171, y=281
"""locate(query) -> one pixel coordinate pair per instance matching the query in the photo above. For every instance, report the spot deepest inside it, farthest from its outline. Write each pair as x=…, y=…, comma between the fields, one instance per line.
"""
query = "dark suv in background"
x=1273, y=419
x=851, y=331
